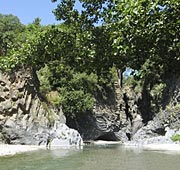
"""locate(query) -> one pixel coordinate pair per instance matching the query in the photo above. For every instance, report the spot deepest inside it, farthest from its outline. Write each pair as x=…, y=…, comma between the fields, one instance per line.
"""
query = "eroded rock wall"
x=100, y=123
x=24, y=117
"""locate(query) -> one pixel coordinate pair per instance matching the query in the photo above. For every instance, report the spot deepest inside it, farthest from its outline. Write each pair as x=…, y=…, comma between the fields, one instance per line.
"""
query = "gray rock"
x=2, y=97
x=6, y=105
x=122, y=135
x=14, y=95
x=10, y=123
x=136, y=124
x=169, y=132
x=2, y=83
x=64, y=136
x=6, y=89
x=23, y=115
x=95, y=126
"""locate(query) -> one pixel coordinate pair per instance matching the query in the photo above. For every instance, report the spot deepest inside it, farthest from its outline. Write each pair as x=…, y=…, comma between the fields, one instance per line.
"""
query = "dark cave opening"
x=108, y=137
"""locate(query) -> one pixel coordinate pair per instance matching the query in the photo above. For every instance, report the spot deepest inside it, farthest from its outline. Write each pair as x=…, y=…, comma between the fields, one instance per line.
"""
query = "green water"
x=111, y=157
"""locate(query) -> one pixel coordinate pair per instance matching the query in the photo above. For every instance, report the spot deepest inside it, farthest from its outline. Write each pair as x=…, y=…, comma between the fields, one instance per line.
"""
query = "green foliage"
x=145, y=37
x=76, y=89
x=157, y=94
x=74, y=102
x=10, y=28
x=66, y=61
x=10, y=31
x=92, y=13
x=20, y=51
x=149, y=31
x=43, y=75
x=51, y=116
x=79, y=58
x=174, y=110
x=177, y=107
x=157, y=91
x=175, y=138
x=142, y=35
x=53, y=98
x=133, y=83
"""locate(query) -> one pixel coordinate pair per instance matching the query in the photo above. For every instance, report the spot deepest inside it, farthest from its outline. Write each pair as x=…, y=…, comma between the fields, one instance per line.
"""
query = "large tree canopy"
x=143, y=35
x=139, y=31
x=103, y=34
x=148, y=30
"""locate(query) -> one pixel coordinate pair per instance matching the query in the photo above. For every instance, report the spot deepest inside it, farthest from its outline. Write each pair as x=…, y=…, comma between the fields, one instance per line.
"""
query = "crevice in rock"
x=128, y=115
x=160, y=131
x=107, y=137
x=2, y=99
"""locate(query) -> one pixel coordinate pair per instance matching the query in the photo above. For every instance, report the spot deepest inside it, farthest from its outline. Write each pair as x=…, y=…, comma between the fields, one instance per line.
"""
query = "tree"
x=94, y=18
x=37, y=21
x=142, y=35
x=147, y=30
x=147, y=38
x=10, y=26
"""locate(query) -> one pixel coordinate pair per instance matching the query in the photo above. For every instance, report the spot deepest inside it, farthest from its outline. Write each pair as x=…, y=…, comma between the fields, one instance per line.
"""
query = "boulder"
x=62, y=135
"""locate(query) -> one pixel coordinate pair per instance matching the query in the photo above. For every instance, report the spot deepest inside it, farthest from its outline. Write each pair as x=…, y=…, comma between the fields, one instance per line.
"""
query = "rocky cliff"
x=113, y=120
x=169, y=115
x=24, y=117
x=127, y=118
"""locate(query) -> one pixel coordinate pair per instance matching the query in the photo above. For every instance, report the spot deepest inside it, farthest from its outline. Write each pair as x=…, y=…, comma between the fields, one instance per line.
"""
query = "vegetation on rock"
x=75, y=59
x=176, y=137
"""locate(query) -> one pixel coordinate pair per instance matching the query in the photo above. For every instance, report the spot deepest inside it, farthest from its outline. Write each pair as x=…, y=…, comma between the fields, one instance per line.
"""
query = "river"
x=92, y=157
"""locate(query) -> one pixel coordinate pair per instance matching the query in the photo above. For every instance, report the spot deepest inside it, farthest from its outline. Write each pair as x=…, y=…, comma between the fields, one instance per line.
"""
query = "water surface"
x=106, y=157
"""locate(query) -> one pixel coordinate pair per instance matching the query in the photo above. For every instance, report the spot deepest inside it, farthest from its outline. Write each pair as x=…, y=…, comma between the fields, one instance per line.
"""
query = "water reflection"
x=59, y=152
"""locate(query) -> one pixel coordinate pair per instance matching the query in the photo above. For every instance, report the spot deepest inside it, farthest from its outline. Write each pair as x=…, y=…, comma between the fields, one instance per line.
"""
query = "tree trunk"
x=120, y=77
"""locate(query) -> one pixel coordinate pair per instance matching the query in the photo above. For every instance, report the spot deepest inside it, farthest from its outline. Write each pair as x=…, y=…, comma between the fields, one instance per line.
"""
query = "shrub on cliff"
x=175, y=137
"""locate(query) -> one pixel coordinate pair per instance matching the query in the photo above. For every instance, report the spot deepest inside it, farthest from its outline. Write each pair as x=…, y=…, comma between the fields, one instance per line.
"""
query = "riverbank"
x=152, y=146
x=163, y=147
x=9, y=150
x=156, y=147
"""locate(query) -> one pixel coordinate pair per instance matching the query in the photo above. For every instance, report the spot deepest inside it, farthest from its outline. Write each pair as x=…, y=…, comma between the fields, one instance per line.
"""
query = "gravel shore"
x=152, y=146
x=7, y=150
x=156, y=147
x=163, y=147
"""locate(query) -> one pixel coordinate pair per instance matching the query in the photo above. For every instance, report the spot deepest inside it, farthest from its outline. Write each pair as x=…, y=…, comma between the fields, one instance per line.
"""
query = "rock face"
x=62, y=135
x=128, y=109
x=99, y=124
x=125, y=120
x=167, y=119
x=112, y=121
x=94, y=126
x=24, y=117
x=156, y=129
